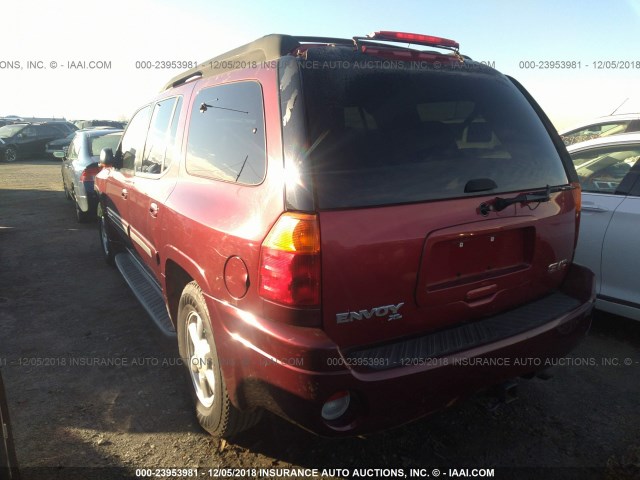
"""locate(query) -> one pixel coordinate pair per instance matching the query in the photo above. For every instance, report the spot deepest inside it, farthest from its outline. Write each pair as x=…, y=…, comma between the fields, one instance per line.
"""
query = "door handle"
x=153, y=210
x=124, y=193
x=594, y=208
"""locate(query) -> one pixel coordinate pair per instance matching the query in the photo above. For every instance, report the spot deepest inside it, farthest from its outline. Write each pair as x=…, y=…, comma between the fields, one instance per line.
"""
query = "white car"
x=602, y=127
x=609, y=173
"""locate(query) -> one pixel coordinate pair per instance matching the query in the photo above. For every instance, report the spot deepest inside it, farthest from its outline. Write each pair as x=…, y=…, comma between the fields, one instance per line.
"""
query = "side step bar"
x=146, y=290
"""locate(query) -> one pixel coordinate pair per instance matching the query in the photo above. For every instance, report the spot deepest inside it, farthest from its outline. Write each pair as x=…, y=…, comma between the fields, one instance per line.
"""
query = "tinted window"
x=29, y=132
x=45, y=130
x=133, y=139
x=381, y=137
x=603, y=170
x=159, y=139
x=226, y=134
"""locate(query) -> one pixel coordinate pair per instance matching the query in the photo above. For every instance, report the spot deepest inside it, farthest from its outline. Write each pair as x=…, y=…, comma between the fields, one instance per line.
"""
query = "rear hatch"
x=407, y=165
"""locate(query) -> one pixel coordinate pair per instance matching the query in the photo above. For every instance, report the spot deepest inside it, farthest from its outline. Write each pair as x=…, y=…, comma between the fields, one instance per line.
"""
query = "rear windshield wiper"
x=500, y=203
x=537, y=196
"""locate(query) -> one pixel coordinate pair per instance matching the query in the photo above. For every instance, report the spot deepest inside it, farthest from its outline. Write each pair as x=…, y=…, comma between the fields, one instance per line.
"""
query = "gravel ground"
x=94, y=390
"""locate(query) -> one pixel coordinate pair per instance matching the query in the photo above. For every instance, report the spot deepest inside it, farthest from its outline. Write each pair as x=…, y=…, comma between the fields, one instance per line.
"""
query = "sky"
x=601, y=40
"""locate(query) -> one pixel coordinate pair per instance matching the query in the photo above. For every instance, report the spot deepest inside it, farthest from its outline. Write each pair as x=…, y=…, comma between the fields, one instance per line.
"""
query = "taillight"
x=290, y=261
x=577, y=195
x=576, y=191
x=89, y=173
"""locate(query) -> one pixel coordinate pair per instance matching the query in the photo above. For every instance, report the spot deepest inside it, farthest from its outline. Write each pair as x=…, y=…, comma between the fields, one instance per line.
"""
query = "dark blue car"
x=22, y=140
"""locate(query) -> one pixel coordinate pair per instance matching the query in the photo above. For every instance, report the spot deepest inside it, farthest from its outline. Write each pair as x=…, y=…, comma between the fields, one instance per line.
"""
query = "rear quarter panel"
x=208, y=221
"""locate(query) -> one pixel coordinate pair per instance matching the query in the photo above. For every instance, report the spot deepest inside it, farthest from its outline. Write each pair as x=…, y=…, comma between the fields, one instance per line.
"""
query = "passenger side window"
x=605, y=170
x=161, y=137
x=133, y=140
x=227, y=134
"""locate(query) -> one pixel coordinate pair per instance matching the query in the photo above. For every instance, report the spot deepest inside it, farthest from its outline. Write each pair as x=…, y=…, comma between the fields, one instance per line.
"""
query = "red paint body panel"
x=306, y=367
x=388, y=255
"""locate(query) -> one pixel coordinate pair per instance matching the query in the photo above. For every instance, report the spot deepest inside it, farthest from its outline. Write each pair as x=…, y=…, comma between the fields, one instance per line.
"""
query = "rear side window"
x=161, y=137
x=48, y=131
x=381, y=137
x=134, y=137
x=226, y=134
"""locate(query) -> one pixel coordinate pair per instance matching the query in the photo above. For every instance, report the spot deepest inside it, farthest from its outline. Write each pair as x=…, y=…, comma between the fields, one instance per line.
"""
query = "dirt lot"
x=91, y=383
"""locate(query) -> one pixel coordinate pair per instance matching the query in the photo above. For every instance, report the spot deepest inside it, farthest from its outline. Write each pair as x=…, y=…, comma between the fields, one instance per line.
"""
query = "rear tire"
x=214, y=410
x=107, y=245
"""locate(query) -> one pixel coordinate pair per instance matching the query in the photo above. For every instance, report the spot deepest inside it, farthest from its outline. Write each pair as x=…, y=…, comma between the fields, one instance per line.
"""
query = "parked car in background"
x=60, y=145
x=334, y=244
x=82, y=124
x=80, y=165
x=609, y=172
x=601, y=127
x=64, y=126
x=22, y=140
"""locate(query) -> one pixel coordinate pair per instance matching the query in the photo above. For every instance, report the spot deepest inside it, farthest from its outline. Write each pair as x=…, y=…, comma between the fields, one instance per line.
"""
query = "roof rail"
x=269, y=47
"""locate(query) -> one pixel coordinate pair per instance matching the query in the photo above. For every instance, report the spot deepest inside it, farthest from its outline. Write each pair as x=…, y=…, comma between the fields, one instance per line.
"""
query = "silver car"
x=609, y=173
x=80, y=166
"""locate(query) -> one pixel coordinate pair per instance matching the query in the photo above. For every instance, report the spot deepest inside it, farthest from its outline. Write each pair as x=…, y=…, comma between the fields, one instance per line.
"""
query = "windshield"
x=10, y=130
x=381, y=137
x=110, y=140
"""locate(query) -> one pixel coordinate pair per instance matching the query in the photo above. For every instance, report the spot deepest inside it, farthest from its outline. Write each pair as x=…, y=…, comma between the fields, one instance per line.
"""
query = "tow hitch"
x=500, y=394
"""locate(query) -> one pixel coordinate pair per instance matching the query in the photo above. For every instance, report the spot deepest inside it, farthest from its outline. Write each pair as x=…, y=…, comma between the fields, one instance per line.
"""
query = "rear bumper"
x=292, y=371
x=86, y=197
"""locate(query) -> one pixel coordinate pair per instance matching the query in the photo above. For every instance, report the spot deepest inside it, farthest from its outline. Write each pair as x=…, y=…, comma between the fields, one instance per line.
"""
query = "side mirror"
x=59, y=154
x=106, y=157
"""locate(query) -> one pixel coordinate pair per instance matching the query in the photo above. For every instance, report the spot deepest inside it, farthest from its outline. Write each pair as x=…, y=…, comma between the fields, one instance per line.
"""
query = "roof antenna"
x=625, y=101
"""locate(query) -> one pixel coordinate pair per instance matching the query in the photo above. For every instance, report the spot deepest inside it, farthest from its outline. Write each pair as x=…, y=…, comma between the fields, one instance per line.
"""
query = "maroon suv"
x=350, y=233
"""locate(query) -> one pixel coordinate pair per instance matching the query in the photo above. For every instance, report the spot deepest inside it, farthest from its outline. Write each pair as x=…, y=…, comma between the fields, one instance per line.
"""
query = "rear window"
x=109, y=140
x=387, y=136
